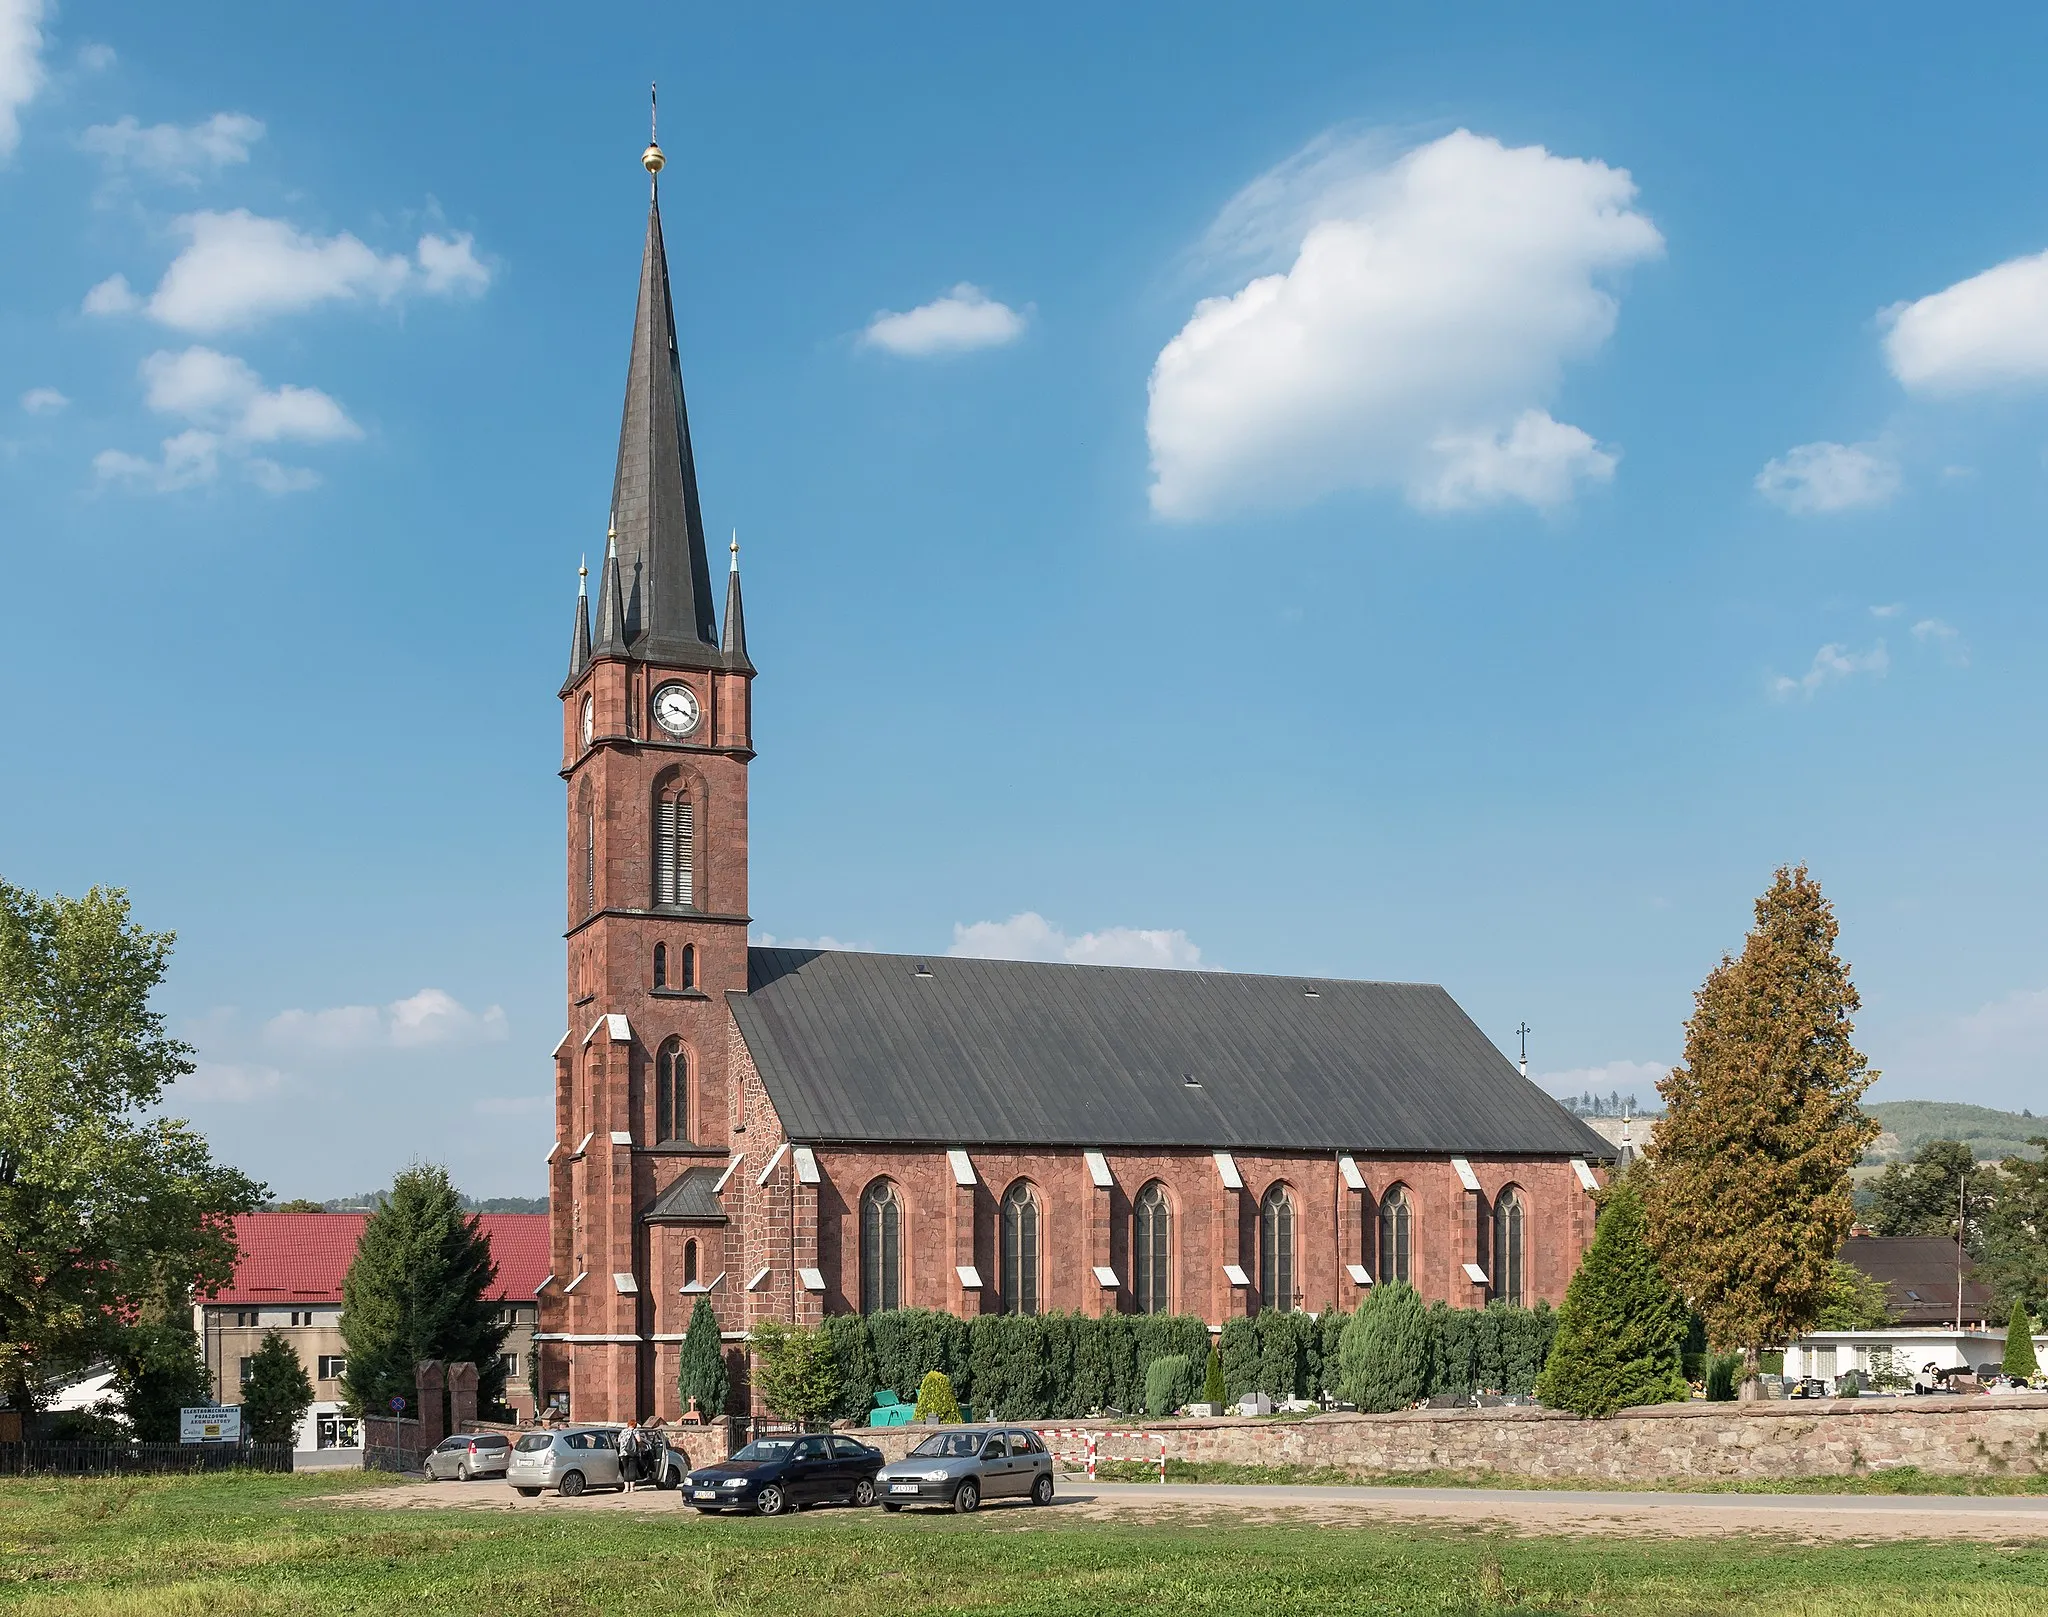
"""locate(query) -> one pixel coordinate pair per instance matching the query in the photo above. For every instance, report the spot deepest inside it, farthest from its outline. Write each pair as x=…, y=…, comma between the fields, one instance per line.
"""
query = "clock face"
x=589, y=721
x=676, y=710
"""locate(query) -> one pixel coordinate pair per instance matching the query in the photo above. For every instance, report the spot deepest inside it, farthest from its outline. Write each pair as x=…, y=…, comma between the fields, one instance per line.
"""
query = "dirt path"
x=1832, y=1518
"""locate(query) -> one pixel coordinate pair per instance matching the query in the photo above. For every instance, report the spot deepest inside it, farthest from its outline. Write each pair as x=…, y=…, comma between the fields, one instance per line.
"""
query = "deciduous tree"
x=277, y=1394
x=1621, y=1326
x=158, y=1371
x=419, y=1288
x=795, y=1373
x=1926, y=1196
x=109, y=1211
x=1748, y=1185
x=2015, y=1251
x=1854, y=1302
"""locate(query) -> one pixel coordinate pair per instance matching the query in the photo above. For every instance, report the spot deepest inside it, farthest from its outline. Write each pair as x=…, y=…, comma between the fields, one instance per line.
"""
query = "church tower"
x=656, y=737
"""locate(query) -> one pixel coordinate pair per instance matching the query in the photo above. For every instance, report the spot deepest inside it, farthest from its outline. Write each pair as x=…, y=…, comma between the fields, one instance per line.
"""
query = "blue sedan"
x=772, y=1475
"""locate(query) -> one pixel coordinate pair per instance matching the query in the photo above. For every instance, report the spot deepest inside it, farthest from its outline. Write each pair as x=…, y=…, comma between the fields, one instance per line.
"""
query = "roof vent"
x=923, y=970
x=1189, y=1081
x=1311, y=993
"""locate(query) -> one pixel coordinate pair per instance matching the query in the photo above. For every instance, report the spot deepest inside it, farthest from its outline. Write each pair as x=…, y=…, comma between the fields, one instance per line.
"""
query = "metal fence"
x=139, y=1459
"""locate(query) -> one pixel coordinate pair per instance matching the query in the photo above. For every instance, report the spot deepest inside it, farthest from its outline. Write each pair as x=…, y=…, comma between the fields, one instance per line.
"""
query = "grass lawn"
x=229, y=1545
x=1904, y=1479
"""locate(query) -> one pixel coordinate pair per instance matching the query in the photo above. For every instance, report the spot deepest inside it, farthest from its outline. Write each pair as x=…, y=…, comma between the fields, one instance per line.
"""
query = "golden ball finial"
x=652, y=160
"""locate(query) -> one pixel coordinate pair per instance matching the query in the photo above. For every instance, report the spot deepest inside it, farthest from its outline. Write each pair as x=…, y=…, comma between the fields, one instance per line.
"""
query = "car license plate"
x=705, y=1493
x=903, y=1487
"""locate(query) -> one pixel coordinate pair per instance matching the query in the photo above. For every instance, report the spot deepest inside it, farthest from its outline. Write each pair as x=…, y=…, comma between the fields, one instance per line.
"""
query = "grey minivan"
x=959, y=1467
x=568, y=1461
x=469, y=1454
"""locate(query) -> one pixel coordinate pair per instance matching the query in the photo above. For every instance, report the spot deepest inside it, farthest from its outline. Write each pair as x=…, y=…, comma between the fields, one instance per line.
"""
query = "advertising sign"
x=210, y=1425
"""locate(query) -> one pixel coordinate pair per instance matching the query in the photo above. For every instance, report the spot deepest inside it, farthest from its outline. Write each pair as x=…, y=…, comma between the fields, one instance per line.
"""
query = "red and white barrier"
x=1090, y=1448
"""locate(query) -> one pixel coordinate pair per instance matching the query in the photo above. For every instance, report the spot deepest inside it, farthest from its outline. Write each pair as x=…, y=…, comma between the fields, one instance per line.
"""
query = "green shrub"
x=935, y=1400
x=2020, y=1359
x=1385, y=1350
x=795, y=1373
x=1165, y=1380
x=278, y=1393
x=1239, y=1347
x=1724, y=1373
x=1212, y=1382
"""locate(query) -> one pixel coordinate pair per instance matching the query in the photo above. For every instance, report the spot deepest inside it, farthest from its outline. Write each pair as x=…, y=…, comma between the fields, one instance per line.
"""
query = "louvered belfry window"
x=589, y=862
x=1152, y=1250
x=675, y=854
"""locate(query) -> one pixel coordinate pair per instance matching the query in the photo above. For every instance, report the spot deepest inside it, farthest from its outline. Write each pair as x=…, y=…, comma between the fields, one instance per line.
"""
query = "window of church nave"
x=1397, y=1237
x=1152, y=1250
x=671, y=1093
x=881, y=1248
x=1510, y=1232
x=1020, y=1250
x=1276, y=1250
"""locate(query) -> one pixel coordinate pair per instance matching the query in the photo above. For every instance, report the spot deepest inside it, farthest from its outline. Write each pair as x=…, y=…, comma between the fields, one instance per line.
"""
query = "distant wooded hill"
x=1992, y=1134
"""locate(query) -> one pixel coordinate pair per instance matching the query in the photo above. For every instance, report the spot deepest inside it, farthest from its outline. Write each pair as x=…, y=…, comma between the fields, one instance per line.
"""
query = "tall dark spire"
x=611, y=604
x=664, y=574
x=579, y=637
x=734, y=646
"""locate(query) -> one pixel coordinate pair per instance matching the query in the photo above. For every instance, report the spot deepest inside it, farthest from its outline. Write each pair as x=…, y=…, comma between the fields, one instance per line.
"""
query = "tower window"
x=661, y=965
x=589, y=861
x=1510, y=1220
x=689, y=965
x=689, y=1263
x=674, y=854
x=1397, y=1237
x=671, y=1093
x=1020, y=1250
x=881, y=1248
x=1276, y=1250
x=1152, y=1250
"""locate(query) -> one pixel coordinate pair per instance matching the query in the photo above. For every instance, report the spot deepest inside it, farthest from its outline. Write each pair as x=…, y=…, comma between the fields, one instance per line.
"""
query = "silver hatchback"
x=568, y=1461
x=959, y=1467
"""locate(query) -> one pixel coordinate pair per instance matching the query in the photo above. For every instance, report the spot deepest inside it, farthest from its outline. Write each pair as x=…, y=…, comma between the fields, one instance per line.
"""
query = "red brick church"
x=795, y=1132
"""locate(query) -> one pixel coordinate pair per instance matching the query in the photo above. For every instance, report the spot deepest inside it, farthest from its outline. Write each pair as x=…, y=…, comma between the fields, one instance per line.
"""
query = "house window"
x=248, y=1368
x=661, y=965
x=1276, y=1250
x=1397, y=1236
x=245, y=1317
x=881, y=1248
x=333, y=1366
x=671, y=1093
x=1152, y=1250
x=674, y=853
x=689, y=1263
x=1020, y=1250
x=509, y=1363
x=689, y=965
x=1510, y=1221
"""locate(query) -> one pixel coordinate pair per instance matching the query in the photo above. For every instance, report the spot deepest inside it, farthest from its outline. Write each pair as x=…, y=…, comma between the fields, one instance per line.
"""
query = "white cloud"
x=1030, y=936
x=1823, y=477
x=1414, y=340
x=963, y=319
x=432, y=1016
x=181, y=152
x=21, y=65
x=1831, y=664
x=272, y=478
x=96, y=58
x=1989, y=331
x=226, y=1081
x=1945, y=638
x=238, y=269
x=1638, y=1078
x=112, y=296
x=43, y=401
x=188, y=458
x=1891, y=610
x=768, y=940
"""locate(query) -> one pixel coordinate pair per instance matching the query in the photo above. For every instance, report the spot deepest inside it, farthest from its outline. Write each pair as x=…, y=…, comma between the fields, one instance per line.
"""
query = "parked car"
x=469, y=1454
x=569, y=1461
x=772, y=1475
x=959, y=1468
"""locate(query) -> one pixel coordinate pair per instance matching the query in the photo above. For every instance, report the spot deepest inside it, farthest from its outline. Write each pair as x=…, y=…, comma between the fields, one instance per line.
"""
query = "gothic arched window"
x=671, y=1093
x=1510, y=1233
x=1276, y=1250
x=674, y=852
x=661, y=965
x=1020, y=1250
x=881, y=1248
x=1152, y=1250
x=689, y=1264
x=689, y=966
x=1397, y=1237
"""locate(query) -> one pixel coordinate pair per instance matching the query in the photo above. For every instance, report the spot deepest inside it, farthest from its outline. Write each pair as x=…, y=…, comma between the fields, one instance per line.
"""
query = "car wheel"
x=1041, y=1490
x=968, y=1498
x=891, y=1506
x=771, y=1501
x=863, y=1492
x=462, y=1472
x=571, y=1484
x=529, y=1493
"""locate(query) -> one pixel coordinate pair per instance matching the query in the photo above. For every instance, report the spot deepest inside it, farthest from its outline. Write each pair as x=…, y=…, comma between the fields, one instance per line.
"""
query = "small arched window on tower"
x=589, y=860
x=689, y=977
x=1276, y=1250
x=661, y=965
x=1510, y=1231
x=1397, y=1236
x=689, y=1264
x=1020, y=1250
x=674, y=853
x=671, y=1093
x=1152, y=1250
x=881, y=1248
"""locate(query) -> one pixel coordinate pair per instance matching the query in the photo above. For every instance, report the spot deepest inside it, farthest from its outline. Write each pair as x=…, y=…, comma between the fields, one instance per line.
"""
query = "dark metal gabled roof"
x=690, y=1200
x=872, y=1047
x=666, y=580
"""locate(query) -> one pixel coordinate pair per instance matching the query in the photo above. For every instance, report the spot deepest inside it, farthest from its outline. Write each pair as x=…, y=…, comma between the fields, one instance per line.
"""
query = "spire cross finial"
x=583, y=575
x=653, y=114
x=651, y=159
x=611, y=537
x=735, y=550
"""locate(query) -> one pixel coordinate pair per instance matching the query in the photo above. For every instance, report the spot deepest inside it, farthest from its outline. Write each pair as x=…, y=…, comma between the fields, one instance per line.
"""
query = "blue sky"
x=1357, y=491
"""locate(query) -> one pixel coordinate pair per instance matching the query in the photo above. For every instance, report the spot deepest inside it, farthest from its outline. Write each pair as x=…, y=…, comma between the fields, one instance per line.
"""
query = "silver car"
x=469, y=1454
x=959, y=1467
x=569, y=1461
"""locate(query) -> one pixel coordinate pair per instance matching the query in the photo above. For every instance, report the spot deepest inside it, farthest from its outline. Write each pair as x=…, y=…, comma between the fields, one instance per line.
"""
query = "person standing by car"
x=632, y=1454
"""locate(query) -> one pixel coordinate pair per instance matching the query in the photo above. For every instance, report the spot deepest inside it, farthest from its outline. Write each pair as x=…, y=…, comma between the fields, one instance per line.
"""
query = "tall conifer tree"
x=419, y=1288
x=1748, y=1183
x=703, y=1374
x=1621, y=1326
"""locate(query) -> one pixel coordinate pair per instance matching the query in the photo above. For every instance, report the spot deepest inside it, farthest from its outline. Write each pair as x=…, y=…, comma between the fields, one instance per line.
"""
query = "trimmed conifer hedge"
x=1067, y=1366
